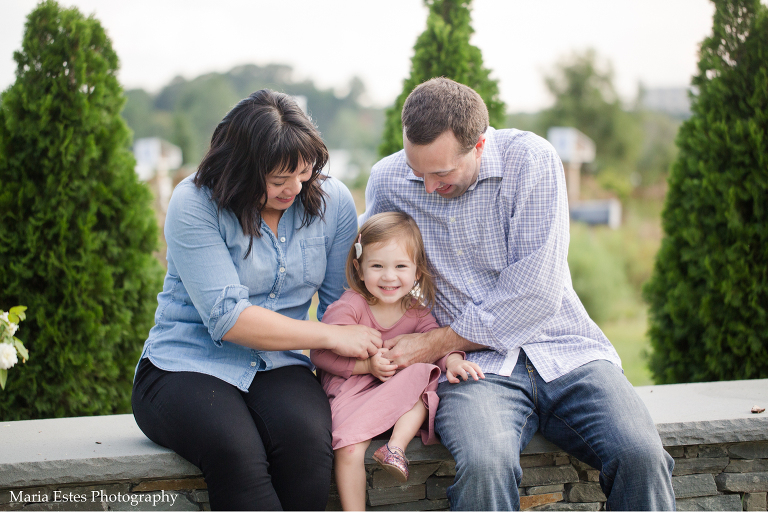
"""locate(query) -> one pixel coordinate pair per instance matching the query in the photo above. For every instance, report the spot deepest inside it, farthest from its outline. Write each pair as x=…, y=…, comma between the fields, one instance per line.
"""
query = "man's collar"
x=489, y=165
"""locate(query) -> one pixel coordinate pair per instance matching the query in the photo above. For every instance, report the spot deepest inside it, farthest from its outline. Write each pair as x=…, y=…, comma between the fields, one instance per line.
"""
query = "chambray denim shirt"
x=208, y=283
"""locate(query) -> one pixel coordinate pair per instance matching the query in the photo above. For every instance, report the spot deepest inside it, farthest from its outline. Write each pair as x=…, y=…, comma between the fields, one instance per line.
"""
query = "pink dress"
x=362, y=406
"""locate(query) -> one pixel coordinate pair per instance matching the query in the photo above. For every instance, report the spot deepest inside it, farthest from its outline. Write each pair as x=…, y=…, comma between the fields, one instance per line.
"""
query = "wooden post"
x=572, y=180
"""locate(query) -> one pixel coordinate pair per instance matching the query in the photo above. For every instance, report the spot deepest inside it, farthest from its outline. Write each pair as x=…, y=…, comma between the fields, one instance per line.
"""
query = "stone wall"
x=732, y=476
x=105, y=463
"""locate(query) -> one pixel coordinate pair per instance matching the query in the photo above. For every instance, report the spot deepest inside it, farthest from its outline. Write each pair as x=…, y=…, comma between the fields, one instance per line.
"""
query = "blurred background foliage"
x=635, y=147
x=185, y=112
x=722, y=160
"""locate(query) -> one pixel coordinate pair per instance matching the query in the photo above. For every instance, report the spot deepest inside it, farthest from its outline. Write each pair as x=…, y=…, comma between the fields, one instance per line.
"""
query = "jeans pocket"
x=313, y=253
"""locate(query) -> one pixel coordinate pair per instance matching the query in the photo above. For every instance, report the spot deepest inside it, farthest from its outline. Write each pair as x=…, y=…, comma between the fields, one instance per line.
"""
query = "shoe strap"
x=397, y=452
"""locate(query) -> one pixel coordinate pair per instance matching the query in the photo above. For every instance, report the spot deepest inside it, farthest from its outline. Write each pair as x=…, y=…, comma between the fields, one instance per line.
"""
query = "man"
x=492, y=208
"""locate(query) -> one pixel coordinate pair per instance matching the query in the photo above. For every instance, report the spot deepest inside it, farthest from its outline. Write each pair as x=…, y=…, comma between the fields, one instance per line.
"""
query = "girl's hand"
x=381, y=367
x=456, y=367
x=356, y=341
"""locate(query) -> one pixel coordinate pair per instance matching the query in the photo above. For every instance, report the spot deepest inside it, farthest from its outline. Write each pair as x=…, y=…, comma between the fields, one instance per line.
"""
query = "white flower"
x=7, y=356
x=12, y=328
x=4, y=316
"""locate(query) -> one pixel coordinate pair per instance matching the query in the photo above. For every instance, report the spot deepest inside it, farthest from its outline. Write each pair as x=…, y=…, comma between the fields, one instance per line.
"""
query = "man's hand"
x=428, y=347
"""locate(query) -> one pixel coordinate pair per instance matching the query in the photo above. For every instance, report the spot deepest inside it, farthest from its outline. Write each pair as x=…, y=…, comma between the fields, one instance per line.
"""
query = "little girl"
x=391, y=291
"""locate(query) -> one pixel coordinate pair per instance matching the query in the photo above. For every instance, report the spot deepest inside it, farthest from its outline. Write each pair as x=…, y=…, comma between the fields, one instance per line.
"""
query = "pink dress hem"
x=363, y=407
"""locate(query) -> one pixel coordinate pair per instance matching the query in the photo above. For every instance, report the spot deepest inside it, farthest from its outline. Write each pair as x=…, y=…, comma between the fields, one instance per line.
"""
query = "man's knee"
x=643, y=460
x=500, y=467
x=651, y=459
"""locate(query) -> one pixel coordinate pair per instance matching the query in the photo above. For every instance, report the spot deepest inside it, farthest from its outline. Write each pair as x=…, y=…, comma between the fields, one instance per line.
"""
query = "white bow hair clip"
x=358, y=247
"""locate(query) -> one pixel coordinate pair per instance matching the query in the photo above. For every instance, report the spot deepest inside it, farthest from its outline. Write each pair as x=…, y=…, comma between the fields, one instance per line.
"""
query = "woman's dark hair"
x=264, y=133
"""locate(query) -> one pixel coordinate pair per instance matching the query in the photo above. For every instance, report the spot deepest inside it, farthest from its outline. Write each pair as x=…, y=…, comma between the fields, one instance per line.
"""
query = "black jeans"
x=268, y=449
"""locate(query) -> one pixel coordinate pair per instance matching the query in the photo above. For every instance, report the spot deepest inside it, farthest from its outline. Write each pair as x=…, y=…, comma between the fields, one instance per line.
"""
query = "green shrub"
x=598, y=272
x=76, y=228
x=443, y=49
x=709, y=291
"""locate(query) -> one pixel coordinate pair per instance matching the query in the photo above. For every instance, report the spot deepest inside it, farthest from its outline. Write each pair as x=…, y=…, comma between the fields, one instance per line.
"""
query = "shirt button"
x=471, y=281
x=282, y=269
x=459, y=252
x=282, y=239
x=271, y=295
x=453, y=219
x=253, y=363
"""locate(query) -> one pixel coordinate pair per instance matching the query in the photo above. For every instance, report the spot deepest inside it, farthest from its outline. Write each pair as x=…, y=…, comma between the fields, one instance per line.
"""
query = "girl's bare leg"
x=408, y=425
x=349, y=469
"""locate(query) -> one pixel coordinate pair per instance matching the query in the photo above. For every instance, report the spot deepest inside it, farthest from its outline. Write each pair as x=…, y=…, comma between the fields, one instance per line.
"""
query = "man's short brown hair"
x=441, y=104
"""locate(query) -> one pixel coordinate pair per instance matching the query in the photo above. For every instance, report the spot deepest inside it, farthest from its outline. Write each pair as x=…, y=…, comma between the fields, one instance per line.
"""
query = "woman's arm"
x=263, y=329
x=203, y=262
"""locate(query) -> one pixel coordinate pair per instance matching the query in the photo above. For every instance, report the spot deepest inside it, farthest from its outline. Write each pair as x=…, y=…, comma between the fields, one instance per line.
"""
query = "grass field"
x=628, y=336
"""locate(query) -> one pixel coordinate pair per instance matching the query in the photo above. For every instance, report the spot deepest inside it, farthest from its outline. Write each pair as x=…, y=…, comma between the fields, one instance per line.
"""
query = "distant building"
x=574, y=149
x=340, y=165
x=672, y=100
x=155, y=159
x=571, y=145
x=153, y=153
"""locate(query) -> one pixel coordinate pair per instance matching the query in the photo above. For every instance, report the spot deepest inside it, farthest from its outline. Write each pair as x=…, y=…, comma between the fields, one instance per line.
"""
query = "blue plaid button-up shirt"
x=498, y=254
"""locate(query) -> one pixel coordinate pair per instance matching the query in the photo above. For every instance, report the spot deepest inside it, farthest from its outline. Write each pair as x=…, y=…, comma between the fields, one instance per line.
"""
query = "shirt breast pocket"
x=313, y=253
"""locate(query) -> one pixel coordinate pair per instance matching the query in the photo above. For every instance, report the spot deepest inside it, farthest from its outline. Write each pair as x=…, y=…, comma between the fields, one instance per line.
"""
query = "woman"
x=222, y=380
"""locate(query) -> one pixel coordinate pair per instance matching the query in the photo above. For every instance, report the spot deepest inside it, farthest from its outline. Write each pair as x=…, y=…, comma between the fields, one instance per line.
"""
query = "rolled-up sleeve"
x=530, y=289
x=232, y=301
x=201, y=258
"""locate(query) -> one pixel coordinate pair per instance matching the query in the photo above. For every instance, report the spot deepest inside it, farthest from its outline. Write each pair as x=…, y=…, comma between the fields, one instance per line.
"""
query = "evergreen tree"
x=443, y=49
x=76, y=228
x=709, y=291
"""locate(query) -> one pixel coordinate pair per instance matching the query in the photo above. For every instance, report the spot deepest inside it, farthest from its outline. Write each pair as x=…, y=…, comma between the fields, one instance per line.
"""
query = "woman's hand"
x=457, y=367
x=381, y=367
x=356, y=341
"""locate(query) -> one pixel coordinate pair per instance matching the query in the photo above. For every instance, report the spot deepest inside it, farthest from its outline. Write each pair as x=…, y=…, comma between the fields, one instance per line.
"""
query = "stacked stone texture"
x=732, y=476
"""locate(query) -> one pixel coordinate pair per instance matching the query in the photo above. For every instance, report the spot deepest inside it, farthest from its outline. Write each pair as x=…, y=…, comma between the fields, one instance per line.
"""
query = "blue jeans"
x=593, y=413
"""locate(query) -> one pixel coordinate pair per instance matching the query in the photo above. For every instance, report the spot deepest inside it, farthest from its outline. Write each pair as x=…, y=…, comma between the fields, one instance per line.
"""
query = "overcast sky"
x=330, y=41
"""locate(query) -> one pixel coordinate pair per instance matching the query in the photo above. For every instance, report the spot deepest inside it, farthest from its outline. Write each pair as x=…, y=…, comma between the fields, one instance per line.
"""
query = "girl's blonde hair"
x=380, y=229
